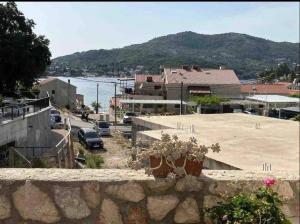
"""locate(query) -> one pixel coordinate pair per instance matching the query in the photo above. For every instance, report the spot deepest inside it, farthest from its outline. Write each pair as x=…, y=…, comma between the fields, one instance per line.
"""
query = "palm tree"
x=95, y=106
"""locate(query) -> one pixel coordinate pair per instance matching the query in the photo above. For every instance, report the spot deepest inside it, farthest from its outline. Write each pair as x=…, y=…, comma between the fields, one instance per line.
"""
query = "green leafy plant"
x=95, y=105
x=260, y=207
x=39, y=163
x=93, y=161
x=296, y=95
x=208, y=100
x=296, y=118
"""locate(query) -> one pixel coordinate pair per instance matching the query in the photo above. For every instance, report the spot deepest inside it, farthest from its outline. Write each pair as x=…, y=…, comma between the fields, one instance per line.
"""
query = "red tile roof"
x=205, y=76
x=49, y=79
x=143, y=78
x=281, y=88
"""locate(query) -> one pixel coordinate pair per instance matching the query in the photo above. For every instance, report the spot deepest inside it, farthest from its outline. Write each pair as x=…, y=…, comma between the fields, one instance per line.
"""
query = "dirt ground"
x=116, y=152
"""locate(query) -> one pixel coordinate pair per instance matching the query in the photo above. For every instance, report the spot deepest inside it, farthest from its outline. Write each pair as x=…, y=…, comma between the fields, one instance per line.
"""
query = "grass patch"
x=93, y=161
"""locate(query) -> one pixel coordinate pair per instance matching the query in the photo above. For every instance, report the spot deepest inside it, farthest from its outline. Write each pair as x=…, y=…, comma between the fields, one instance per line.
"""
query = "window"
x=157, y=87
x=103, y=125
x=147, y=105
x=91, y=135
x=177, y=105
x=149, y=78
x=53, y=91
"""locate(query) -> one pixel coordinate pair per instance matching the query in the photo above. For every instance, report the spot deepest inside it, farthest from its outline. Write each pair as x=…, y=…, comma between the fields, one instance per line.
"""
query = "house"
x=79, y=99
x=198, y=81
x=151, y=85
x=61, y=93
x=280, y=88
x=195, y=81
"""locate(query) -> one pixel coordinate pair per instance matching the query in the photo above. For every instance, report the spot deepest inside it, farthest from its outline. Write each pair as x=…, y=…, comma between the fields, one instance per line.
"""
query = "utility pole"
x=69, y=94
x=181, y=90
x=115, y=105
x=97, y=98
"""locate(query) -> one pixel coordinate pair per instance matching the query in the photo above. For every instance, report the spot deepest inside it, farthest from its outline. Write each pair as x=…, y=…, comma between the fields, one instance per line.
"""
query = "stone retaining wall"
x=114, y=196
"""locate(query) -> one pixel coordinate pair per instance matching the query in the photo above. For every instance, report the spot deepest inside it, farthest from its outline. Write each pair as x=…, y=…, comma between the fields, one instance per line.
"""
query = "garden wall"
x=114, y=196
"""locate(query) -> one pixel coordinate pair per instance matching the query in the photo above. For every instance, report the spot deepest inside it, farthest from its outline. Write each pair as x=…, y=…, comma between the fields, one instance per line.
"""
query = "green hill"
x=246, y=54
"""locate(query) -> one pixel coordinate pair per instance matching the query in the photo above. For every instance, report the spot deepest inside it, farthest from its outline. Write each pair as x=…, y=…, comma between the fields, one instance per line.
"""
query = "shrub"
x=81, y=151
x=296, y=118
x=262, y=206
x=93, y=161
x=39, y=163
x=208, y=100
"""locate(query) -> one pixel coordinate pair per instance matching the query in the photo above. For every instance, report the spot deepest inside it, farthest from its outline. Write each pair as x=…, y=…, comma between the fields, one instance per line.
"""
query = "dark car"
x=127, y=119
x=54, y=111
x=90, y=138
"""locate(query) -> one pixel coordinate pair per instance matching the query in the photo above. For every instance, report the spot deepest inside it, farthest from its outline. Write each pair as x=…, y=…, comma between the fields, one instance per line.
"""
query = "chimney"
x=197, y=68
x=185, y=67
x=222, y=67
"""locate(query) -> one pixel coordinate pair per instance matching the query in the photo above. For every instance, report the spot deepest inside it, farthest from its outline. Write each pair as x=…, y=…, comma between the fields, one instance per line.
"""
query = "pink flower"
x=269, y=181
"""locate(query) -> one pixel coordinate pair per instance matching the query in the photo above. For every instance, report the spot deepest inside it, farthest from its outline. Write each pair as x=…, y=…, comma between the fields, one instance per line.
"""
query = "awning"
x=133, y=101
x=200, y=91
x=273, y=99
x=292, y=109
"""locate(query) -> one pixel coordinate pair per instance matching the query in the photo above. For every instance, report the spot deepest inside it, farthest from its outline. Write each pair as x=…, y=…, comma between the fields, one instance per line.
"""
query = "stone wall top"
x=116, y=175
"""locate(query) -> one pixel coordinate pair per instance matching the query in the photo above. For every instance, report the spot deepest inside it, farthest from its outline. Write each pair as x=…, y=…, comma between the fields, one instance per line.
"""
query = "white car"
x=127, y=119
x=102, y=127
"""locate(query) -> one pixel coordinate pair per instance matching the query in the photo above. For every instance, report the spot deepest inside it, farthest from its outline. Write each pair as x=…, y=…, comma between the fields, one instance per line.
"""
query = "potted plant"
x=173, y=156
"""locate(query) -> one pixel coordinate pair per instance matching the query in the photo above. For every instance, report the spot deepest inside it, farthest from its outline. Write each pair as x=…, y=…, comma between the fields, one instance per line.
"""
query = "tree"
x=24, y=56
x=208, y=100
x=95, y=106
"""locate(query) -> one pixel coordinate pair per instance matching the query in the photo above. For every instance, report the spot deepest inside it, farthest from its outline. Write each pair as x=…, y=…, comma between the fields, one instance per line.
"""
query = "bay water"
x=87, y=86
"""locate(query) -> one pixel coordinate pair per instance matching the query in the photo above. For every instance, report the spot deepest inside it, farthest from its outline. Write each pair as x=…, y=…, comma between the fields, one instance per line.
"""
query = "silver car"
x=55, y=121
x=102, y=127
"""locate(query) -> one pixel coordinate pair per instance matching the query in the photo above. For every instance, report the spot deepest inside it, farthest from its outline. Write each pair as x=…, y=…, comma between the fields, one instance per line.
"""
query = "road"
x=115, y=155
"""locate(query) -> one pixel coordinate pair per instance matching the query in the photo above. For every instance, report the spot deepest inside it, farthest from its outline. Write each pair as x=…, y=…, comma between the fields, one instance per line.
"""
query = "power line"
x=90, y=80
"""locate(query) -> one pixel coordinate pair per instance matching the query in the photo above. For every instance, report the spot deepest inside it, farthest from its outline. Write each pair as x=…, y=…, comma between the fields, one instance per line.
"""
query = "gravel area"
x=116, y=152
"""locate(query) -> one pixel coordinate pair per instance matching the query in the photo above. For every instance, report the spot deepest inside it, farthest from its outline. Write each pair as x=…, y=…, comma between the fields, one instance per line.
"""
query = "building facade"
x=61, y=93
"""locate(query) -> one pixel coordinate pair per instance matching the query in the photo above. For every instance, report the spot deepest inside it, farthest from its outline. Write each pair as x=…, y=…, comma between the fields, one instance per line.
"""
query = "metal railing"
x=15, y=111
x=65, y=150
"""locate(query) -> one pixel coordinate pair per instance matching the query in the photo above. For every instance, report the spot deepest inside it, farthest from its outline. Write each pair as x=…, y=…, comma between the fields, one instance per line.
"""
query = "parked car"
x=54, y=111
x=55, y=121
x=102, y=127
x=127, y=119
x=250, y=111
x=90, y=138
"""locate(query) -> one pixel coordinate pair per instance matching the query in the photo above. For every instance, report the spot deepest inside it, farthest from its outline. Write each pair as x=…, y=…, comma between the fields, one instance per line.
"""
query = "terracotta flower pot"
x=163, y=170
x=192, y=167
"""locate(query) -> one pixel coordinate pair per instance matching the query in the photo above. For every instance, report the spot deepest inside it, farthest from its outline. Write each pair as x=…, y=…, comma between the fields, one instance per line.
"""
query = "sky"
x=80, y=26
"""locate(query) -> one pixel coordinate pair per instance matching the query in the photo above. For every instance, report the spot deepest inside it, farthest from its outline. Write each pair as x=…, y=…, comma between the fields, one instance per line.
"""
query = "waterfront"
x=88, y=88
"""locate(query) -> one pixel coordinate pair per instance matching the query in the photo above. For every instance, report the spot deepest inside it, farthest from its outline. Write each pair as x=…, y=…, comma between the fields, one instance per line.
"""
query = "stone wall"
x=109, y=196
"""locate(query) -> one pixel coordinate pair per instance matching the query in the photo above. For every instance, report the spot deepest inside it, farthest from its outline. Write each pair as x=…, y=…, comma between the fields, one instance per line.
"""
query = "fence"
x=17, y=159
x=15, y=111
x=65, y=153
